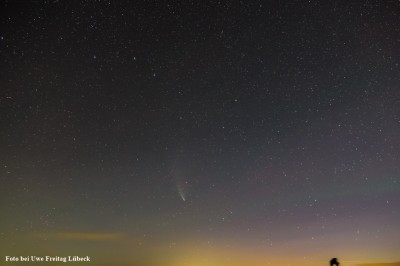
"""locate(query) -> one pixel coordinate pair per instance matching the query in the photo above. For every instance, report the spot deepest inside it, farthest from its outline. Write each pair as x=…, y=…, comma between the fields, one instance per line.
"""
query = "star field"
x=200, y=132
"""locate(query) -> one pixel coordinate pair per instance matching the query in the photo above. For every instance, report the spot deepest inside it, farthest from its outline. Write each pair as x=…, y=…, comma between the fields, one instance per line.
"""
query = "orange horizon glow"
x=122, y=249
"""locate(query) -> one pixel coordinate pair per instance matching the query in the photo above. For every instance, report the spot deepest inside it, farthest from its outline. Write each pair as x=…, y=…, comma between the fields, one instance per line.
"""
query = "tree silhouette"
x=334, y=262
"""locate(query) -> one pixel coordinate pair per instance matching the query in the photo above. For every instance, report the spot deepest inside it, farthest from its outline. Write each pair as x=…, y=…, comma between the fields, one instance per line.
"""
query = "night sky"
x=193, y=133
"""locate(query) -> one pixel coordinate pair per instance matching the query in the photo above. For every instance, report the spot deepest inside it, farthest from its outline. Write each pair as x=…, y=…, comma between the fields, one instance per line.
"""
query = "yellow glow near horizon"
x=124, y=249
x=78, y=236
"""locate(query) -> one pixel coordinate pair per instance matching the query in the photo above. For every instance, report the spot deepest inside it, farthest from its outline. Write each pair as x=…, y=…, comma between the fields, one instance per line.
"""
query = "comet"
x=181, y=191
